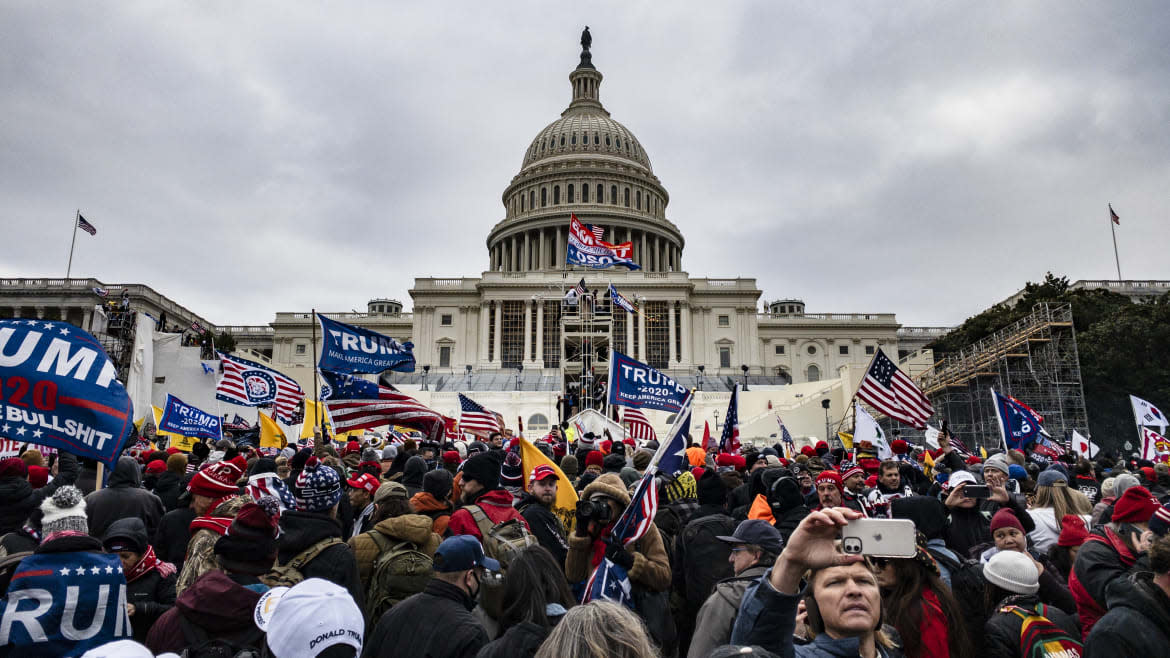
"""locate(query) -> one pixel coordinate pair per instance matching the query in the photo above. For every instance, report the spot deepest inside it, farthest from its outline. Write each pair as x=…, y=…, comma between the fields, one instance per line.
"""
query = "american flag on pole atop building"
x=638, y=425
x=891, y=392
x=250, y=384
x=730, y=440
x=85, y=226
x=581, y=290
x=475, y=419
x=356, y=404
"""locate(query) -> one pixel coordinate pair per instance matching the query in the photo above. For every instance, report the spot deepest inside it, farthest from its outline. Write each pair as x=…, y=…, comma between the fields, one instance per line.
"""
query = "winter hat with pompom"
x=318, y=487
x=64, y=510
x=249, y=545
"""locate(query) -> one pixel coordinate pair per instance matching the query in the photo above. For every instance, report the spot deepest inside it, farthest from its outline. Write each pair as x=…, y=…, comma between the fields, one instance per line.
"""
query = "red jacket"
x=496, y=505
x=1101, y=560
x=933, y=627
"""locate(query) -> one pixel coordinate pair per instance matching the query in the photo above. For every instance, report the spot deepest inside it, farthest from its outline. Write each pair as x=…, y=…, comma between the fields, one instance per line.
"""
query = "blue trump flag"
x=58, y=388
x=349, y=349
x=181, y=418
x=1019, y=426
x=635, y=384
x=64, y=604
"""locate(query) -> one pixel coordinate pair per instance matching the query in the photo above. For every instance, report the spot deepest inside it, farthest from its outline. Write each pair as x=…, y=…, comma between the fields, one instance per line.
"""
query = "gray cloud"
x=920, y=158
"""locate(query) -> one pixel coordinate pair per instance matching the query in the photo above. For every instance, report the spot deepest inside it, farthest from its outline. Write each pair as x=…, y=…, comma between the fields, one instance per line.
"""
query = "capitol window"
x=814, y=373
x=444, y=357
x=556, y=194
x=596, y=139
x=618, y=141
x=724, y=320
x=585, y=193
x=613, y=194
x=445, y=320
x=843, y=350
x=538, y=422
x=627, y=197
x=573, y=139
x=869, y=350
x=638, y=196
x=301, y=347
x=532, y=199
x=607, y=140
x=562, y=140
x=569, y=195
x=600, y=193
x=543, y=197
x=812, y=350
x=724, y=357
x=779, y=350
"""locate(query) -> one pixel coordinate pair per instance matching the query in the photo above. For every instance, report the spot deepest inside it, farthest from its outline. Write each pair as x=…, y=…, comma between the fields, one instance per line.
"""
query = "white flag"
x=1084, y=447
x=931, y=437
x=867, y=429
x=1147, y=414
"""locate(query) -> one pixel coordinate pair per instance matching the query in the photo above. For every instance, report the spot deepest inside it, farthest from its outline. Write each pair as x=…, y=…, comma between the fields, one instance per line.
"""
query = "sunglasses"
x=879, y=562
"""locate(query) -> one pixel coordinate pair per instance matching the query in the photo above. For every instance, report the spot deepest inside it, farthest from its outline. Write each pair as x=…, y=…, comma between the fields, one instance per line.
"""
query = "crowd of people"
x=387, y=548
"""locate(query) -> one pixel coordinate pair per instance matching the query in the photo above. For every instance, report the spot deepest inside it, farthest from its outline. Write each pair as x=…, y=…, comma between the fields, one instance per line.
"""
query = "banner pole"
x=76, y=219
x=1112, y=228
x=316, y=399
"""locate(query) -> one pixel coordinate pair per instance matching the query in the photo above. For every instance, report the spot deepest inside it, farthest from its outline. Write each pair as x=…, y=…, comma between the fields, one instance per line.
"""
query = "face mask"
x=478, y=586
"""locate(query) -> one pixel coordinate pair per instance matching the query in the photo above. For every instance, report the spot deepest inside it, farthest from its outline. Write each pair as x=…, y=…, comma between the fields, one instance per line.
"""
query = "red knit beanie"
x=832, y=477
x=1136, y=505
x=594, y=458
x=13, y=467
x=899, y=447
x=808, y=450
x=216, y=480
x=38, y=476
x=1072, y=531
x=1005, y=518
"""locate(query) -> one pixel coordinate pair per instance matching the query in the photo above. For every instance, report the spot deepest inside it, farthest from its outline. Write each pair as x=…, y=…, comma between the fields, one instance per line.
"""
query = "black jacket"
x=412, y=475
x=335, y=564
x=151, y=594
x=1002, y=630
x=521, y=640
x=969, y=528
x=454, y=632
x=546, y=526
x=173, y=535
x=1138, y=621
x=18, y=499
x=168, y=488
x=122, y=498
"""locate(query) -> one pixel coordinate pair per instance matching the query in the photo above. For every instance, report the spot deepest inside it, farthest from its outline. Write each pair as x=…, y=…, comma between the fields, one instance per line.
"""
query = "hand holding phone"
x=880, y=538
x=977, y=491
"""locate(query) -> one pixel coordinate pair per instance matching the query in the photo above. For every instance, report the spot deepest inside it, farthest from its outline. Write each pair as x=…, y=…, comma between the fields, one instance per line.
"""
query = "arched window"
x=543, y=197
x=618, y=141
x=814, y=373
x=521, y=202
x=538, y=422
x=531, y=199
x=600, y=193
x=573, y=139
x=638, y=196
x=585, y=193
x=607, y=140
x=562, y=140
x=556, y=194
x=596, y=139
x=627, y=197
x=613, y=194
x=569, y=196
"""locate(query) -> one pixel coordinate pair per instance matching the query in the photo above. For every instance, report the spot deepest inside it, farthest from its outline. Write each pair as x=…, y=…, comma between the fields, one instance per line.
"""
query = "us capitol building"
x=508, y=329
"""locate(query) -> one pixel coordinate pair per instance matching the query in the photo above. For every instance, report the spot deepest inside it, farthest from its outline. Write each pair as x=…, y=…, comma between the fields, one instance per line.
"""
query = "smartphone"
x=879, y=538
x=977, y=491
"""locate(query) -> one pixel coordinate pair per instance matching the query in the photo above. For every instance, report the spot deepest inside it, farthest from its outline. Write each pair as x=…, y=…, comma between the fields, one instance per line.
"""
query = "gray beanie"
x=999, y=462
x=64, y=510
x=1123, y=482
x=390, y=452
x=1012, y=571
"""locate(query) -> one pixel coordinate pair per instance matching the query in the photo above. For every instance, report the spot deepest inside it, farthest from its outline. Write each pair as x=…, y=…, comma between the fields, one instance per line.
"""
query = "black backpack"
x=706, y=562
x=201, y=645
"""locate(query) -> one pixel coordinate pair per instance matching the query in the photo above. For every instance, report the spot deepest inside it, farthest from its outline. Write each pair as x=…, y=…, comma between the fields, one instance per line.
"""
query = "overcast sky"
x=923, y=158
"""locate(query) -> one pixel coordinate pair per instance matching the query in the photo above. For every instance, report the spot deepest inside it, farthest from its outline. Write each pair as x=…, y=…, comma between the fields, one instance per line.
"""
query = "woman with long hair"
x=920, y=606
x=1053, y=500
x=536, y=599
x=599, y=629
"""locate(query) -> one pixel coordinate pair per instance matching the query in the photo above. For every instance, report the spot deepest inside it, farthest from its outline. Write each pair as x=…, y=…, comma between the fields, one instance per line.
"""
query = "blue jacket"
x=767, y=619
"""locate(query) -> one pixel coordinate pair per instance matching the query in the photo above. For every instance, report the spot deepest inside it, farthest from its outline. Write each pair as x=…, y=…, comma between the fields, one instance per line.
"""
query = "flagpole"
x=1112, y=228
x=854, y=397
x=69, y=268
x=316, y=400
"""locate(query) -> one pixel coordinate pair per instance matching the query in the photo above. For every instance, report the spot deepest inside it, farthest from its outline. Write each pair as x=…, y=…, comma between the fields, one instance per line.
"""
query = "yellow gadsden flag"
x=271, y=436
x=311, y=413
x=566, y=503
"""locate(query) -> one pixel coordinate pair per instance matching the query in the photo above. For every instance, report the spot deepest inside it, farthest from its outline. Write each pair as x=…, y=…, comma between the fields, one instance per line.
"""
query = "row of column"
x=63, y=313
x=544, y=249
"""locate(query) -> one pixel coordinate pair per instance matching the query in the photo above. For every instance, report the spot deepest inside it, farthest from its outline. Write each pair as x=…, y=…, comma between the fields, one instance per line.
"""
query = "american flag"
x=891, y=392
x=270, y=484
x=1113, y=216
x=598, y=232
x=359, y=404
x=638, y=425
x=786, y=437
x=730, y=440
x=250, y=384
x=476, y=419
x=581, y=290
x=237, y=423
x=85, y=226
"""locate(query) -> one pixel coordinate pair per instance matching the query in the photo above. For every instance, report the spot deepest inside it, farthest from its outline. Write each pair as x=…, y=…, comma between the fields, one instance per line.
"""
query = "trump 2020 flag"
x=349, y=349
x=587, y=249
x=64, y=604
x=61, y=390
x=181, y=418
x=1018, y=424
x=635, y=384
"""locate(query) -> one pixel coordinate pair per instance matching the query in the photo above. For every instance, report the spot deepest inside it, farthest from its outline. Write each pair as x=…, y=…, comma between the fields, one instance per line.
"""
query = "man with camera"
x=601, y=504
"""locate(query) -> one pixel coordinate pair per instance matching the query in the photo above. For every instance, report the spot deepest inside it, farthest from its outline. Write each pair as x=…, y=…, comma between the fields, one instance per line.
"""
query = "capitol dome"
x=587, y=164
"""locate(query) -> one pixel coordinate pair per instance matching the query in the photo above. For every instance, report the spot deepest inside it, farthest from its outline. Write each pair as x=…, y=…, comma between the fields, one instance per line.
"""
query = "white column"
x=631, y=327
x=525, y=353
x=526, y=261
x=483, y=334
x=687, y=349
x=499, y=329
x=560, y=248
x=540, y=334
x=671, y=359
x=540, y=255
x=641, y=338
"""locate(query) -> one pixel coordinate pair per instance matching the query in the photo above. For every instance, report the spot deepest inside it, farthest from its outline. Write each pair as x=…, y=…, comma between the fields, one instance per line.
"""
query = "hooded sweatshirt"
x=414, y=528
x=412, y=475
x=216, y=604
x=123, y=497
x=439, y=511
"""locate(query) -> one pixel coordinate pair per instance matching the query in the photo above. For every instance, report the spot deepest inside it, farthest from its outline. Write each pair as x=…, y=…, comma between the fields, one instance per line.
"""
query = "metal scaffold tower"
x=1034, y=360
x=586, y=327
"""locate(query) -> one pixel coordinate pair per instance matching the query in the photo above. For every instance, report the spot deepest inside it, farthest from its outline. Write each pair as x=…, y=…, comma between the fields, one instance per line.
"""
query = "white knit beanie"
x=1012, y=571
x=64, y=510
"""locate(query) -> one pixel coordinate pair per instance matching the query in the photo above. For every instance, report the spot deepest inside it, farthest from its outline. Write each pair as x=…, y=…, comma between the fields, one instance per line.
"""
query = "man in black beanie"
x=485, y=504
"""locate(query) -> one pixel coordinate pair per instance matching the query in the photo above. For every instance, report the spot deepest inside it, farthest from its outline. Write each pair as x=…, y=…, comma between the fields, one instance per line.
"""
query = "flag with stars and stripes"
x=730, y=440
x=637, y=425
x=597, y=231
x=85, y=226
x=621, y=301
x=891, y=392
x=581, y=289
x=250, y=384
x=357, y=404
x=786, y=438
x=476, y=419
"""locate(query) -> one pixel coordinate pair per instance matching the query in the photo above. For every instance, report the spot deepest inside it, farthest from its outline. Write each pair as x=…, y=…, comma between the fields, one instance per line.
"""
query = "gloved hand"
x=618, y=554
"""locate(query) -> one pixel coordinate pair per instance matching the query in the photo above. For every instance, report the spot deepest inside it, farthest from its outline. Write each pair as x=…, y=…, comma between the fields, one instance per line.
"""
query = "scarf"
x=148, y=563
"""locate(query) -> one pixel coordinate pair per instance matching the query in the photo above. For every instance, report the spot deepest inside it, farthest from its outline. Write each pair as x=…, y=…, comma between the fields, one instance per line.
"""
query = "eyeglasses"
x=879, y=562
x=738, y=549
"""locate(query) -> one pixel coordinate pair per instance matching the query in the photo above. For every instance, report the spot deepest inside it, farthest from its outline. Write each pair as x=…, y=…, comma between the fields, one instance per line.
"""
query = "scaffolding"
x=586, y=329
x=1034, y=360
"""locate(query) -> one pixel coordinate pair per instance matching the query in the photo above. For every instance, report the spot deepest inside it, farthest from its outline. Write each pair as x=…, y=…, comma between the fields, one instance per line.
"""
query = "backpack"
x=8, y=566
x=503, y=542
x=1040, y=638
x=705, y=562
x=202, y=645
x=290, y=574
x=399, y=571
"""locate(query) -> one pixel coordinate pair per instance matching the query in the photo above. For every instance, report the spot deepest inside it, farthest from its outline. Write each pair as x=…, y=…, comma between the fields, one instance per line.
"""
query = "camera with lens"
x=594, y=510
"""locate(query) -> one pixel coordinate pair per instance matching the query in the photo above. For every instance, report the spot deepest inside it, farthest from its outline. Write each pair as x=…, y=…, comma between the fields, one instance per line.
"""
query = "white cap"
x=119, y=649
x=959, y=477
x=304, y=620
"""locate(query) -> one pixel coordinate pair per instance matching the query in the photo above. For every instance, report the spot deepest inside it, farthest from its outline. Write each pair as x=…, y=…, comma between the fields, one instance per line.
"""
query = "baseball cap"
x=364, y=481
x=758, y=532
x=543, y=471
x=306, y=619
x=461, y=553
x=960, y=477
x=388, y=490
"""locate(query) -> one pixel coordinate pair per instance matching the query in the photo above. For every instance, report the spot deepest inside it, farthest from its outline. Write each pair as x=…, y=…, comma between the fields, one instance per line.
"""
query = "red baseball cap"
x=364, y=481
x=543, y=472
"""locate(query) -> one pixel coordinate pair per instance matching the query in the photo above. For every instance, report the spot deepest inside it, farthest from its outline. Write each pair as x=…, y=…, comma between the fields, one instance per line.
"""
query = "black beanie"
x=438, y=483
x=712, y=491
x=263, y=465
x=784, y=495
x=484, y=468
x=613, y=463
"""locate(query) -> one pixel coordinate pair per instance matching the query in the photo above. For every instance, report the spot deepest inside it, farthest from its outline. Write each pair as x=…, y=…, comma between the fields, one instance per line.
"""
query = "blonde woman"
x=598, y=629
x=1054, y=499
